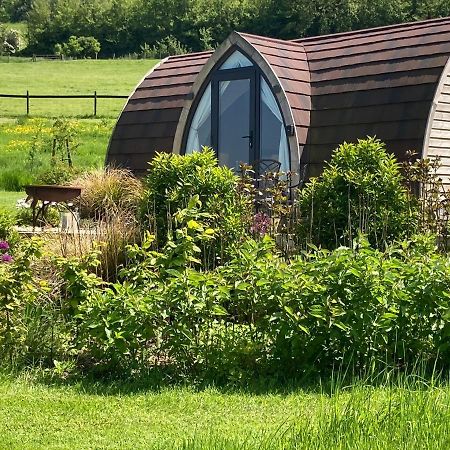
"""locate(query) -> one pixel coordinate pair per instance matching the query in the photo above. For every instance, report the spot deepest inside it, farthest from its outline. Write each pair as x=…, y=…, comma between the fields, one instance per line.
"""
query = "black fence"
x=94, y=96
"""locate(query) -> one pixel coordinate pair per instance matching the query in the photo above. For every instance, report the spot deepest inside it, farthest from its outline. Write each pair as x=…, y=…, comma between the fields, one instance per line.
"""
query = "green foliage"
x=360, y=191
x=76, y=47
x=14, y=10
x=123, y=26
x=174, y=180
x=168, y=46
x=58, y=173
x=258, y=314
x=17, y=290
x=10, y=41
x=7, y=223
x=24, y=216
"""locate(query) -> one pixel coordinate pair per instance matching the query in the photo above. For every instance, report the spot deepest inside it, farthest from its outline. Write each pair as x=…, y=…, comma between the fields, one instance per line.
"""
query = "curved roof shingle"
x=340, y=88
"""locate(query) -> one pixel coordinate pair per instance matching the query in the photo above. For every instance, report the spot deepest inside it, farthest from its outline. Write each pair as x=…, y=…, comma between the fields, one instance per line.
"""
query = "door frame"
x=240, y=73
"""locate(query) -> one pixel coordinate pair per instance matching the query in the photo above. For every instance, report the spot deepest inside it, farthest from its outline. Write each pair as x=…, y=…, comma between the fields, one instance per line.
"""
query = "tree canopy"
x=124, y=26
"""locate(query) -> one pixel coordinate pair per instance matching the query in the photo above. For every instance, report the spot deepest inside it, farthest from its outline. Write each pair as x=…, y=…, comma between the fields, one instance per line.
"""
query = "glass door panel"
x=234, y=130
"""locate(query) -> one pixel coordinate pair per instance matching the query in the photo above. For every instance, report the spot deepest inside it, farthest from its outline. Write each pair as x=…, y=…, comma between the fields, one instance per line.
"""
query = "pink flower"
x=7, y=258
x=261, y=224
x=4, y=245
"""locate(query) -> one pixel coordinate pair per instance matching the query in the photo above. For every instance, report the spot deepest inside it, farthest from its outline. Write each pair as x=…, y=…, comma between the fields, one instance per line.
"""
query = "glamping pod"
x=293, y=102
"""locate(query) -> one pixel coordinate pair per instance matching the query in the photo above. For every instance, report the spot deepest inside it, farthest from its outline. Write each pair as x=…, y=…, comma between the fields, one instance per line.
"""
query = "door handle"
x=250, y=138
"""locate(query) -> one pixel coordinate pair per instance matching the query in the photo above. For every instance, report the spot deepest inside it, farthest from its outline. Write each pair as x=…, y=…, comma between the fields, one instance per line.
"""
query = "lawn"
x=37, y=416
x=8, y=199
x=107, y=77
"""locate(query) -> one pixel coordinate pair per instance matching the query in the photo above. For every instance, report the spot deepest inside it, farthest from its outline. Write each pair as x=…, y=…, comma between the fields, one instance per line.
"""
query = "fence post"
x=95, y=103
x=28, y=103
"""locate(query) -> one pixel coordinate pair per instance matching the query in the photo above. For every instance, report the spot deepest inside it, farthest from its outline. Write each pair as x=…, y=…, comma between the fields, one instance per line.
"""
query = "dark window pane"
x=234, y=122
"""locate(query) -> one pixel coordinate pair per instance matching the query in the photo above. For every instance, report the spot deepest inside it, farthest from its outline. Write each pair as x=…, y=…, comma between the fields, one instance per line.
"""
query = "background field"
x=17, y=132
x=107, y=77
x=411, y=415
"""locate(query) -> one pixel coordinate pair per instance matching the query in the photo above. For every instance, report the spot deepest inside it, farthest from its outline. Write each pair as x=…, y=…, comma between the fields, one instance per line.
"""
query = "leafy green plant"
x=174, y=180
x=24, y=216
x=65, y=140
x=7, y=231
x=17, y=289
x=81, y=46
x=360, y=191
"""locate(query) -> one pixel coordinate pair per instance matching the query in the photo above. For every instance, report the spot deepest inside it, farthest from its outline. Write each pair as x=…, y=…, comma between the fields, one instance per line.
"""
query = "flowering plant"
x=5, y=257
x=261, y=224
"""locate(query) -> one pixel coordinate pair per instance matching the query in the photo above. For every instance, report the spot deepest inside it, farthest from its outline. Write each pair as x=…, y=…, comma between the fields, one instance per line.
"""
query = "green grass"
x=16, y=141
x=19, y=26
x=113, y=77
x=405, y=416
x=8, y=200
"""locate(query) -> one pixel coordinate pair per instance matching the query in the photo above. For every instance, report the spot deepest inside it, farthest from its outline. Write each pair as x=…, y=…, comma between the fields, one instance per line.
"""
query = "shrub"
x=258, y=314
x=17, y=290
x=58, y=173
x=7, y=231
x=168, y=46
x=111, y=199
x=24, y=216
x=82, y=46
x=360, y=191
x=106, y=191
x=173, y=180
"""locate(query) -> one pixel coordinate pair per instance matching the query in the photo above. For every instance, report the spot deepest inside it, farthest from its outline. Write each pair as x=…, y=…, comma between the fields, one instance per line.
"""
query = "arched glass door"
x=239, y=117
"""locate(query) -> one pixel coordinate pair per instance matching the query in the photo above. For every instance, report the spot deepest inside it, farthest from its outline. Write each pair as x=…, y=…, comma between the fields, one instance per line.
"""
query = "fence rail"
x=94, y=96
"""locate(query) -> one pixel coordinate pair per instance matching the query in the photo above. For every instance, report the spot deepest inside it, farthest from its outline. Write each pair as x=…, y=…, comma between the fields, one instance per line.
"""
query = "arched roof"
x=150, y=117
x=374, y=82
x=339, y=88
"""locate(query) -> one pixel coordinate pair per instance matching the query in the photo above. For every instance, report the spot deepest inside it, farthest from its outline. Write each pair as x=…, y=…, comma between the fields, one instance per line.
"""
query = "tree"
x=359, y=191
x=10, y=40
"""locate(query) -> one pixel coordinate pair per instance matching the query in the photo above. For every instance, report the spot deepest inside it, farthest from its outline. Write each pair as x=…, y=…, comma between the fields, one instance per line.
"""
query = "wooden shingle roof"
x=339, y=87
x=289, y=62
x=374, y=82
x=149, y=120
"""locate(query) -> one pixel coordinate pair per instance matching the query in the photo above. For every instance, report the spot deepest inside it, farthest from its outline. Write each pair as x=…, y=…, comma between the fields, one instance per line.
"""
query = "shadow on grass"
x=419, y=376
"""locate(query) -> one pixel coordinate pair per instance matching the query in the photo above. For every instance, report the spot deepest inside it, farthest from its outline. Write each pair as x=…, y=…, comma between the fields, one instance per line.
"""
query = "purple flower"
x=7, y=258
x=4, y=245
x=261, y=224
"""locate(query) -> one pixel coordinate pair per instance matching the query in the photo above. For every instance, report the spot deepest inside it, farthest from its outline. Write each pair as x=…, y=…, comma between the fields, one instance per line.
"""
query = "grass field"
x=8, y=199
x=20, y=137
x=406, y=416
x=113, y=77
x=17, y=133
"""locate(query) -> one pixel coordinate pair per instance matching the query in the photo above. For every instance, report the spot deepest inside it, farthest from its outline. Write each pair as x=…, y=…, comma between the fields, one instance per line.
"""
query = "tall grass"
x=401, y=412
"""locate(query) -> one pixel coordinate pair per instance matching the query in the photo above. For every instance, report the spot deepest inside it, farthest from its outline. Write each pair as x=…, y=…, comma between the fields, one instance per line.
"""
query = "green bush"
x=258, y=314
x=24, y=217
x=173, y=180
x=360, y=191
x=59, y=173
x=7, y=231
x=81, y=46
